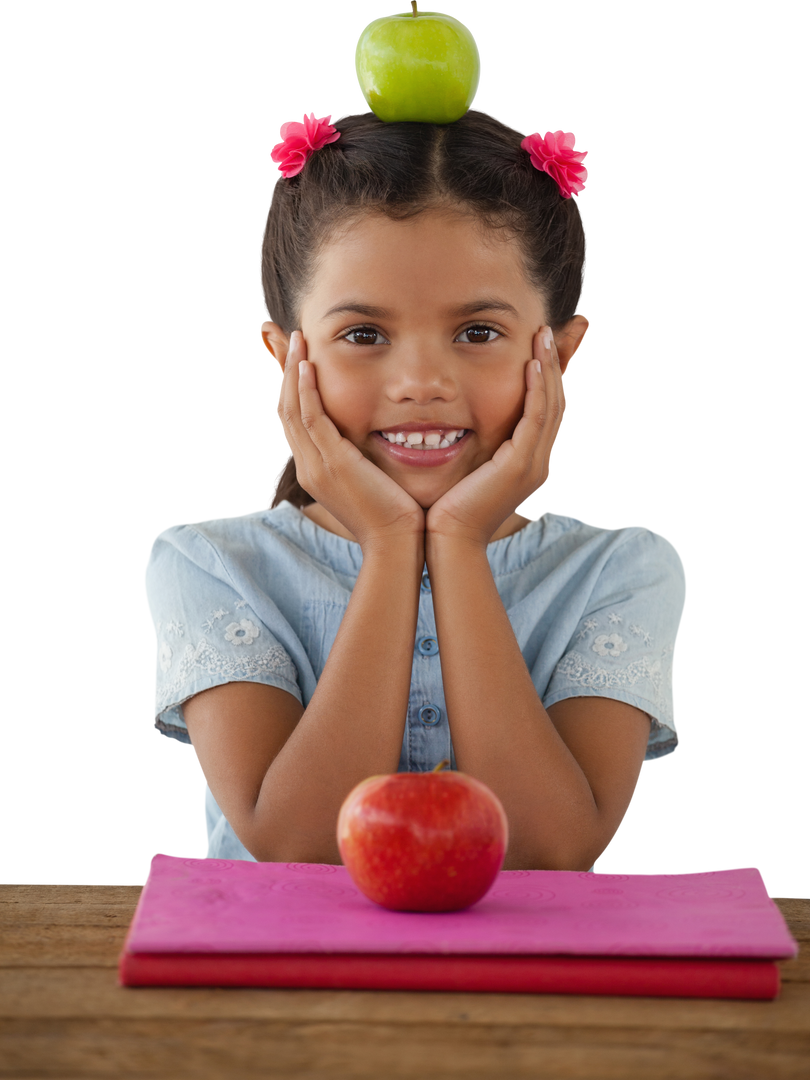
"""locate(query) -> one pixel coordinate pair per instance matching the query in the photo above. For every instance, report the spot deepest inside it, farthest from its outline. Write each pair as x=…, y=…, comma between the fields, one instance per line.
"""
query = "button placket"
x=428, y=646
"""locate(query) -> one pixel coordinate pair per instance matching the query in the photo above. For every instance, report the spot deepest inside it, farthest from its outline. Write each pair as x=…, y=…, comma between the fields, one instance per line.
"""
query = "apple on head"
x=421, y=66
x=422, y=841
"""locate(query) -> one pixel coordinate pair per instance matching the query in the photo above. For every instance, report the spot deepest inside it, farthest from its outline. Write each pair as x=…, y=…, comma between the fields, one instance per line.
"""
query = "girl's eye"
x=365, y=335
x=477, y=335
x=369, y=331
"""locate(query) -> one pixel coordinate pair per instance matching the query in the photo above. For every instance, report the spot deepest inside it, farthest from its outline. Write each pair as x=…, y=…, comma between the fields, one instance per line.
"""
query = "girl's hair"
x=475, y=165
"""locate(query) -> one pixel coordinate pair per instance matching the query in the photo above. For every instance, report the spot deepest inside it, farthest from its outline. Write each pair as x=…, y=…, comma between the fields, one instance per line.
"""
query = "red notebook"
x=206, y=922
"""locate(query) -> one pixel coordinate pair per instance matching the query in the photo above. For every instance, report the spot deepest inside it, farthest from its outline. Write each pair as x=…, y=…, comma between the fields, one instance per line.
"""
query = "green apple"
x=419, y=66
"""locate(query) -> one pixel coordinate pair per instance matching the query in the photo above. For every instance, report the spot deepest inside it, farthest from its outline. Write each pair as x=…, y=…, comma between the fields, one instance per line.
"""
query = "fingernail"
x=537, y=366
x=547, y=337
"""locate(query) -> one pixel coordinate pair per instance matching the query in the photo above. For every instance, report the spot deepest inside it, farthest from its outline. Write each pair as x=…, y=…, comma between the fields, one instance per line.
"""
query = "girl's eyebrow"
x=475, y=307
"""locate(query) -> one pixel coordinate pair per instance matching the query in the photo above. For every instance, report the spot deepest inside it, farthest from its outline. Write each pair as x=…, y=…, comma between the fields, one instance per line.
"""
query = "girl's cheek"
x=349, y=406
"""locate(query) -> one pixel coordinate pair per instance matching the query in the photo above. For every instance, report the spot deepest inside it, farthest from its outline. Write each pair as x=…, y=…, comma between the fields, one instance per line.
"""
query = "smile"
x=423, y=448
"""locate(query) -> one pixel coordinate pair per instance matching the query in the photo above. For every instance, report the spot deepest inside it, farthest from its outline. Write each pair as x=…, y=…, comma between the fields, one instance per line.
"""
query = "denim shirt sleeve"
x=207, y=634
x=623, y=644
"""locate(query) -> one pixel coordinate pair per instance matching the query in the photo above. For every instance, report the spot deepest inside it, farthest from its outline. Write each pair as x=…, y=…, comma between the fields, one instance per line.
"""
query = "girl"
x=392, y=608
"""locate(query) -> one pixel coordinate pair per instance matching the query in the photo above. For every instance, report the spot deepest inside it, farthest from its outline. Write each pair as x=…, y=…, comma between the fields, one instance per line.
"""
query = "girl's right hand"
x=372, y=506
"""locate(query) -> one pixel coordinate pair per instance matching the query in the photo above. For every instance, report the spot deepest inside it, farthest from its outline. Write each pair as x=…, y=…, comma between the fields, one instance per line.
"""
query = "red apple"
x=422, y=841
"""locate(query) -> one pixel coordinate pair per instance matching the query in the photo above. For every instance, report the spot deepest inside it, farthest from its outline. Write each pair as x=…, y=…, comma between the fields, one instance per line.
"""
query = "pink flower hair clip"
x=298, y=139
x=553, y=151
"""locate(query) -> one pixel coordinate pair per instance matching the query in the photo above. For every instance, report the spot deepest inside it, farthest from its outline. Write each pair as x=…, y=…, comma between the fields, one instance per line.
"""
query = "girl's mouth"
x=423, y=447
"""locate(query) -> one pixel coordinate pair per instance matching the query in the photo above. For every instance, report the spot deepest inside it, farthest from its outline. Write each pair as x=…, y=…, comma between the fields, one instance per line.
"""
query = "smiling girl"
x=393, y=608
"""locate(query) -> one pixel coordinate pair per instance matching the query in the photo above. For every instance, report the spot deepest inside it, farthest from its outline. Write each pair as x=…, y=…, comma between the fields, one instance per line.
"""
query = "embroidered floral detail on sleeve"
x=165, y=657
x=609, y=645
x=582, y=669
x=240, y=665
x=216, y=653
x=215, y=616
x=578, y=670
x=241, y=633
x=244, y=632
x=639, y=631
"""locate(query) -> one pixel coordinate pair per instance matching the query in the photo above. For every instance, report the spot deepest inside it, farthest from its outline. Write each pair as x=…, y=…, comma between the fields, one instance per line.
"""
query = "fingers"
x=309, y=416
x=544, y=402
x=306, y=424
x=557, y=403
x=309, y=400
x=289, y=408
x=548, y=357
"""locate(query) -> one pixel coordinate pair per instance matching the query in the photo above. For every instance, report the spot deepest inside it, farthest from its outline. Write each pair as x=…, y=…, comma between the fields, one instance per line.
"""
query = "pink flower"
x=300, y=141
x=555, y=155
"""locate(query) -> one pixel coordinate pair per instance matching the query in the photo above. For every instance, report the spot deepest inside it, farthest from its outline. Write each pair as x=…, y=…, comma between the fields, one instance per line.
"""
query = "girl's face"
x=422, y=326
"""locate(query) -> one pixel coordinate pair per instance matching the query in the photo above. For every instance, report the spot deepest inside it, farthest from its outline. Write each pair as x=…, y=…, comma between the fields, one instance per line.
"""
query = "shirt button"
x=430, y=715
x=428, y=646
x=425, y=582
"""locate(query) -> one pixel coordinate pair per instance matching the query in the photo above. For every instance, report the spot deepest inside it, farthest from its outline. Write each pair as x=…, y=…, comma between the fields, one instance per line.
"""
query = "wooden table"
x=63, y=1015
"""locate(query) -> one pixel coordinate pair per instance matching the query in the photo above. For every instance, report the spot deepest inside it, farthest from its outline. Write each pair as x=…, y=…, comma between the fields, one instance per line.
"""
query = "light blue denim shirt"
x=260, y=598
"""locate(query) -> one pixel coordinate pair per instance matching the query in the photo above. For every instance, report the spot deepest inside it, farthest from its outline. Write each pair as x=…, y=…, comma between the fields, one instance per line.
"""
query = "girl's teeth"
x=430, y=440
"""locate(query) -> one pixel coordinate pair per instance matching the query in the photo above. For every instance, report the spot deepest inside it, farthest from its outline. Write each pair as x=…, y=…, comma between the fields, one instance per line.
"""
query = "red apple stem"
x=415, y=13
x=441, y=764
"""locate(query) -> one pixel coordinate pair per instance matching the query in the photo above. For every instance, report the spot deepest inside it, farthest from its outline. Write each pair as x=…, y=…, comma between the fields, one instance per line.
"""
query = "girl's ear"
x=569, y=338
x=274, y=342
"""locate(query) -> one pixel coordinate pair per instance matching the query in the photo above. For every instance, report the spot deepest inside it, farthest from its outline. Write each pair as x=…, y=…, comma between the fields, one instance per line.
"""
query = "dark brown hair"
x=476, y=165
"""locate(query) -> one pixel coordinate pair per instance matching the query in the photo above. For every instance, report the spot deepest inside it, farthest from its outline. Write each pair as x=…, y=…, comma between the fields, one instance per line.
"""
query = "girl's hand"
x=372, y=506
x=477, y=505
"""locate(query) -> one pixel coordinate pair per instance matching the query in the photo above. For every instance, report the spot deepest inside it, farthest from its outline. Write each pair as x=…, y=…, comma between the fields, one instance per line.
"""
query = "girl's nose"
x=422, y=378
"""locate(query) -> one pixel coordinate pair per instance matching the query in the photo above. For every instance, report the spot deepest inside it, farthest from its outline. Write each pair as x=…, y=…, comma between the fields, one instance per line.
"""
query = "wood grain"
x=62, y=1015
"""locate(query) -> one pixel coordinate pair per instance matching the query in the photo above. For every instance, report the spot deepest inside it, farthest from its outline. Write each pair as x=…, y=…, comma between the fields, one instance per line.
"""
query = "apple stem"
x=415, y=13
x=441, y=764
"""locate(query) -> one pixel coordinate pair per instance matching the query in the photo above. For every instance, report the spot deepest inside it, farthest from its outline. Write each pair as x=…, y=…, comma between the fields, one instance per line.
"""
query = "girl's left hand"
x=478, y=505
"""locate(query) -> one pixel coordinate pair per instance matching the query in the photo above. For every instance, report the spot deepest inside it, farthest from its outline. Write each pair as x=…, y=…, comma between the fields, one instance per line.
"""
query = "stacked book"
x=213, y=922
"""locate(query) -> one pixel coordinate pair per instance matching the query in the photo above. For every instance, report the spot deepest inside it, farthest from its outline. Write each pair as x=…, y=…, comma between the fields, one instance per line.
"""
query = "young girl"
x=392, y=608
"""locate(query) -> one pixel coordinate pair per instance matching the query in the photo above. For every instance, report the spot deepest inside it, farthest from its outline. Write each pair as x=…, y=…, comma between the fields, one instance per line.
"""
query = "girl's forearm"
x=501, y=733
x=354, y=723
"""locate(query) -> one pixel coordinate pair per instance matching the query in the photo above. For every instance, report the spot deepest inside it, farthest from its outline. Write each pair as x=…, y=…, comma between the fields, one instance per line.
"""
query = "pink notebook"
x=236, y=923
